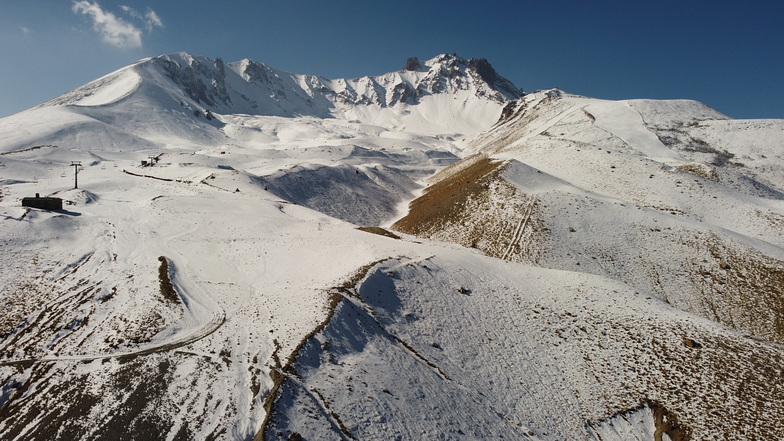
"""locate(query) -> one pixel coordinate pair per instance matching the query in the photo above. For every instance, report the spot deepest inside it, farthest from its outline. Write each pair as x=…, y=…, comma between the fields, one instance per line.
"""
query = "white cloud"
x=115, y=30
x=150, y=18
x=25, y=30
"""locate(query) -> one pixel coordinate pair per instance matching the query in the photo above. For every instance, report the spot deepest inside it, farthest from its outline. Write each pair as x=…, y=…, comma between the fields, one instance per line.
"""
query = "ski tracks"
x=200, y=306
x=538, y=129
x=517, y=236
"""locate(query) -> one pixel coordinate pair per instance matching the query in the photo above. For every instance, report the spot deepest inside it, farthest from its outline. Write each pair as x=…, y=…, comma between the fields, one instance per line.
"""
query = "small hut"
x=44, y=203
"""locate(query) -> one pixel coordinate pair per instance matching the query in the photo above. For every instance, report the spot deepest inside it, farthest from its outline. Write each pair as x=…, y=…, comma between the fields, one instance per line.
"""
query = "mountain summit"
x=474, y=89
x=211, y=83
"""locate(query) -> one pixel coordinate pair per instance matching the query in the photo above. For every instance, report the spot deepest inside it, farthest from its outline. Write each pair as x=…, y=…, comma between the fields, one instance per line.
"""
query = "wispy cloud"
x=150, y=18
x=115, y=30
x=25, y=30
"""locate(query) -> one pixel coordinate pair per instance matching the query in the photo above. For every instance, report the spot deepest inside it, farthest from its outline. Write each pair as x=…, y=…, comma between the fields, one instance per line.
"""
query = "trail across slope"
x=620, y=119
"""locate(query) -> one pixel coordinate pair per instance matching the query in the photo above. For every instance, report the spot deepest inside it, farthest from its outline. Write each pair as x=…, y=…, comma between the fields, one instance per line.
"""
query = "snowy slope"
x=182, y=103
x=523, y=353
x=601, y=187
x=620, y=275
x=87, y=312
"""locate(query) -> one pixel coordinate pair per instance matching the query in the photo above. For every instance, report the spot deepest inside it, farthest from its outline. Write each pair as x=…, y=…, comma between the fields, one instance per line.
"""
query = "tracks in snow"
x=538, y=129
x=518, y=233
x=49, y=313
x=216, y=322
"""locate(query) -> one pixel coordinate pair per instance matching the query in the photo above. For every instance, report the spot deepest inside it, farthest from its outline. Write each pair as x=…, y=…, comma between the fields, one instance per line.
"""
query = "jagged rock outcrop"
x=412, y=64
x=215, y=84
x=204, y=82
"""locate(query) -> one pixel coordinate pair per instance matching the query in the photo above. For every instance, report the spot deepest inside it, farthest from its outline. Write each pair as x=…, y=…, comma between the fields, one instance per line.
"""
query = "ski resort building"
x=44, y=203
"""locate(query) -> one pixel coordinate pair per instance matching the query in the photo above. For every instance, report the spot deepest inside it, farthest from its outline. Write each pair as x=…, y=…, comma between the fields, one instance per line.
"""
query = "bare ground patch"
x=164, y=279
x=445, y=200
x=380, y=231
x=702, y=170
x=473, y=205
x=744, y=289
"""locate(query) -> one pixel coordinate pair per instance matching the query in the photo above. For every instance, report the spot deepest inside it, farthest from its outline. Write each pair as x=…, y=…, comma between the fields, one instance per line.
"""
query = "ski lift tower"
x=76, y=165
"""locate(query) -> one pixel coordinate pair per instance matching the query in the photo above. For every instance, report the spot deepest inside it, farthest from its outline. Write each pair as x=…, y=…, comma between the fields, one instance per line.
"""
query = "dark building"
x=44, y=203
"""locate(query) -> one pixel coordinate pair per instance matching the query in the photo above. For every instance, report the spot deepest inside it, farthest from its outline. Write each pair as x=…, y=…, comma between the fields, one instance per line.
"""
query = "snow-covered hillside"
x=577, y=268
x=446, y=94
x=277, y=120
x=651, y=193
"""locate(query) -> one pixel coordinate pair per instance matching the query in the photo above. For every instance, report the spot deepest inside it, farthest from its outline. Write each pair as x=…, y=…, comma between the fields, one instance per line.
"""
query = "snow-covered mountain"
x=567, y=268
x=441, y=95
x=693, y=200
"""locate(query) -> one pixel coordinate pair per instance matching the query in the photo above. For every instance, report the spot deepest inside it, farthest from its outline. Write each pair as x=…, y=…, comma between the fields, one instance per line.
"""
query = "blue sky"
x=727, y=54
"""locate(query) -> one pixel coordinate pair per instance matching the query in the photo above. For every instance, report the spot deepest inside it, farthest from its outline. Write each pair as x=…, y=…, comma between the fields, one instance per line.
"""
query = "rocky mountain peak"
x=249, y=87
x=412, y=64
x=458, y=72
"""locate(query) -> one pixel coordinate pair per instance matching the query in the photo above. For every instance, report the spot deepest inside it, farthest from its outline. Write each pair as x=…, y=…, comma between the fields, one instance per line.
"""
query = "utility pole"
x=76, y=165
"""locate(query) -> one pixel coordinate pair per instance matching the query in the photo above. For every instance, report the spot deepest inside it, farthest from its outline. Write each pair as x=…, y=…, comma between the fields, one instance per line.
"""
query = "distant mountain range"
x=430, y=253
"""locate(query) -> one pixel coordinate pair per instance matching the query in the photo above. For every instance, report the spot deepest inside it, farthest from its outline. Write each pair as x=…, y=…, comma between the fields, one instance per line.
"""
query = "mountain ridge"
x=448, y=99
x=208, y=83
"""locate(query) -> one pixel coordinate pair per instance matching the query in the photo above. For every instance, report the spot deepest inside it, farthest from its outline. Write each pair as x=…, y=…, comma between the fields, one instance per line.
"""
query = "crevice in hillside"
x=164, y=280
x=357, y=300
x=281, y=371
x=380, y=231
x=28, y=149
x=354, y=296
x=415, y=353
x=206, y=182
x=334, y=415
x=147, y=176
x=353, y=321
x=649, y=419
x=667, y=423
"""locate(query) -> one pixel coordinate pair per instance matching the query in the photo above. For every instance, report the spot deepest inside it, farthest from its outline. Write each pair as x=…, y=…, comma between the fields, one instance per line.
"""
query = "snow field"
x=523, y=352
x=625, y=206
x=251, y=270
